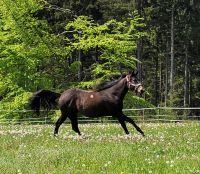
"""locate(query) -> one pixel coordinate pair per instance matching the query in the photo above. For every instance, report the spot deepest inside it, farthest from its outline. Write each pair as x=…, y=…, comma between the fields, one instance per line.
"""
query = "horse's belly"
x=94, y=106
x=94, y=112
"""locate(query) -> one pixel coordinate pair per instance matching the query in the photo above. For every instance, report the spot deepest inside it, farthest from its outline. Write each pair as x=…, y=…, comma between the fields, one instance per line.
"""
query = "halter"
x=132, y=84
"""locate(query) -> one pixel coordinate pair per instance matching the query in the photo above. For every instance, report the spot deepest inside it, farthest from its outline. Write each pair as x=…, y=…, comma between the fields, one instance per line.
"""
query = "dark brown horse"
x=103, y=101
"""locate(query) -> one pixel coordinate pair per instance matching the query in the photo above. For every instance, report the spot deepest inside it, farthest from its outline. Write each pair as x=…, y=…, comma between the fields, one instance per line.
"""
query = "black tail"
x=45, y=99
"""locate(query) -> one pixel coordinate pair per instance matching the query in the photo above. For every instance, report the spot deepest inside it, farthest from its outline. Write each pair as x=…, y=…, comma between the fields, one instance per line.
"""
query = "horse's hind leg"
x=59, y=122
x=74, y=122
x=133, y=123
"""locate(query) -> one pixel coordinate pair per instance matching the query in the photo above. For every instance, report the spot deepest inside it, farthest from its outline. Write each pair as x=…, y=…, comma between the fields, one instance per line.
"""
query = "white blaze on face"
x=91, y=96
x=140, y=88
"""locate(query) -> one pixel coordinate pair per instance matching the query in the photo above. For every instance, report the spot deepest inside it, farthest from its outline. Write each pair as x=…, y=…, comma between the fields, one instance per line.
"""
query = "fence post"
x=143, y=115
x=158, y=112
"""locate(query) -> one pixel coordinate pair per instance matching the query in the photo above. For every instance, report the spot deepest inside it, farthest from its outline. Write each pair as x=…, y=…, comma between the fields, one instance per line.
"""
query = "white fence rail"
x=157, y=114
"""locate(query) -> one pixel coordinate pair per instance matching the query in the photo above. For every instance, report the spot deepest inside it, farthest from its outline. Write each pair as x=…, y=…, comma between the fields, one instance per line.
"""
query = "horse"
x=104, y=100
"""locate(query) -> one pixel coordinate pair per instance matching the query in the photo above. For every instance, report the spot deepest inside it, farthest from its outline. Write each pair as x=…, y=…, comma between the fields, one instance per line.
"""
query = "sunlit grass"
x=103, y=148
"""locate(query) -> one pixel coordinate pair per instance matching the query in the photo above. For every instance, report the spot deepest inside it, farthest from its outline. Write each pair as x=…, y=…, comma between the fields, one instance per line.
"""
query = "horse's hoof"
x=142, y=133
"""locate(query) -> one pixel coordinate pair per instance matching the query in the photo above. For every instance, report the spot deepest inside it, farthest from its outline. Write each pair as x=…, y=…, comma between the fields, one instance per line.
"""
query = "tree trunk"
x=156, y=82
x=79, y=59
x=172, y=50
x=79, y=66
x=186, y=80
x=139, y=57
x=160, y=83
x=189, y=88
x=140, y=42
x=166, y=80
x=166, y=71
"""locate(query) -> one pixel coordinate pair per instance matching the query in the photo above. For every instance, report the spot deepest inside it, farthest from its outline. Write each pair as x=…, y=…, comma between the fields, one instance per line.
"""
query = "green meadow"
x=103, y=148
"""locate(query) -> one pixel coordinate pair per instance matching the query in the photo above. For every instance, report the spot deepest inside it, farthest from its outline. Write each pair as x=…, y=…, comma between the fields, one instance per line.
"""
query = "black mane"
x=106, y=85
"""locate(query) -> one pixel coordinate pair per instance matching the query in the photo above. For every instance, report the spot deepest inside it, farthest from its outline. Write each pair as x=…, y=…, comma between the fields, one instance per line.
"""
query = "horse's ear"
x=130, y=72
x=134, y=73
x=123, y=75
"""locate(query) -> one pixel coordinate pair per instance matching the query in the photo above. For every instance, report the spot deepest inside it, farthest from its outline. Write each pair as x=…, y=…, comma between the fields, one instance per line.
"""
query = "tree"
x=116, y=42
x=30, y=57
x=27, y=46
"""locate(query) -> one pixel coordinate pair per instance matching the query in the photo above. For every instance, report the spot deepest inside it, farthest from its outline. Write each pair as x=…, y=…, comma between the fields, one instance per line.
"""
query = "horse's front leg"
x=133, y=123
x=122, y=122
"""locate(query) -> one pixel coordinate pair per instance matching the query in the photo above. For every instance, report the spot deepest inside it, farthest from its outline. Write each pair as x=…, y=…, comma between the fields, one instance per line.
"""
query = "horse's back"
x=70, y=96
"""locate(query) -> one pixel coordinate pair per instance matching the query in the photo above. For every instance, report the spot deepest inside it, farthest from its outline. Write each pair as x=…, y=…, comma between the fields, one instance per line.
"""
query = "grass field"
x=167, y=148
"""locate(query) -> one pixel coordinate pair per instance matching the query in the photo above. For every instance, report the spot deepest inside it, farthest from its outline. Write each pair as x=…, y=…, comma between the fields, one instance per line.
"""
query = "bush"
x=13, y=105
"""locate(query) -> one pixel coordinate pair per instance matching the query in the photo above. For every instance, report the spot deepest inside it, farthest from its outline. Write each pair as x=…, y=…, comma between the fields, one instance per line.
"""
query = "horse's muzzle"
x=141, y=92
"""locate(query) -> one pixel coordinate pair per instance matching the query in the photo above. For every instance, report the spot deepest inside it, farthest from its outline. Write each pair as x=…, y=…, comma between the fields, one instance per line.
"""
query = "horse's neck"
x=120, y=89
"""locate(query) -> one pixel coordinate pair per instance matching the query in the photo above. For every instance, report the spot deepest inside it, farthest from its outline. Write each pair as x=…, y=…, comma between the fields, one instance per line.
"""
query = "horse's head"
x=133, y=84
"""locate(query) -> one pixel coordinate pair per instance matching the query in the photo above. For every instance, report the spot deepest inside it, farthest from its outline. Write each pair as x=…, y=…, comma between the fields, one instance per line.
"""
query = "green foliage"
x=27, y=50
x=18, y=103
x=32, y=56
x=116, y=41
x=36, y=53
x=27, y=47
x=132, y=101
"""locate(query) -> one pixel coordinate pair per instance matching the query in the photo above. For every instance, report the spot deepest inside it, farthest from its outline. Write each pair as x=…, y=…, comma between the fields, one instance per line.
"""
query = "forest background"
x=58, y=45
